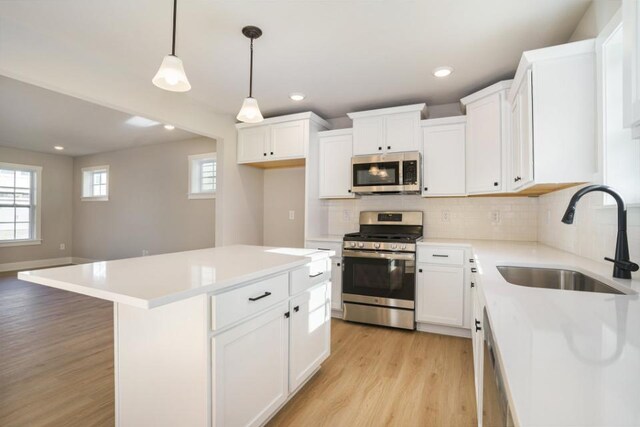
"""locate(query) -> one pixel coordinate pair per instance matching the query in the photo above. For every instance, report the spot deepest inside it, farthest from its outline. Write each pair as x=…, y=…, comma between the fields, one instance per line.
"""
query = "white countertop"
x=570, y=358
x=157, y=280
x=335, y=238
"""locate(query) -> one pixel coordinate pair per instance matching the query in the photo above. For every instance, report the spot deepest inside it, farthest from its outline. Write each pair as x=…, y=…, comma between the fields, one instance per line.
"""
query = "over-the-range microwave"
x=397, y=173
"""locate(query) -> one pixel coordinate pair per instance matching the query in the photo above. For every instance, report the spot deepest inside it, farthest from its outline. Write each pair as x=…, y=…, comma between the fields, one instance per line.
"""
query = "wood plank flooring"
x=56, y=369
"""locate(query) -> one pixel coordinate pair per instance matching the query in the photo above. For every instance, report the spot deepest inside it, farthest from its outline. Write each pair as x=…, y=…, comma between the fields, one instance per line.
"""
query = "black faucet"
x=622, y=266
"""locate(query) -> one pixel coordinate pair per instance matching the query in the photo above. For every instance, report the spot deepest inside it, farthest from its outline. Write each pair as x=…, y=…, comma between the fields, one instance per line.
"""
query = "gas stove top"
x=386, y=231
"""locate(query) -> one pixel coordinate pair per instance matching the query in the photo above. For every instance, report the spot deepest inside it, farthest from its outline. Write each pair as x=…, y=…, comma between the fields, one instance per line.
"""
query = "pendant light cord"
x=251, y=72
x=173, y=41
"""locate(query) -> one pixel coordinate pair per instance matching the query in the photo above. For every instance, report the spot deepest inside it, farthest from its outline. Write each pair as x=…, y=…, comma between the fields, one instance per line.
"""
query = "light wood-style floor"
x=56, y=369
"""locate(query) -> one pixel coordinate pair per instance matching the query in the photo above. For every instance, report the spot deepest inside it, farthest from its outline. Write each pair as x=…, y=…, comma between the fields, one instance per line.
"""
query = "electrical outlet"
x=446, y=216
x=292, y=215
x=62, y=246
x=495, y=217
x=145, y=252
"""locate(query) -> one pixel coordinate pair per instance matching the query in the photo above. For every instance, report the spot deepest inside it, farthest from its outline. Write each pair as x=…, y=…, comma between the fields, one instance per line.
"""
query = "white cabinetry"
x=487, y=139
x=335, y=149
x=336, y=284
x=278, y=140
x=310, y=333
x=443, y=157
x=477, y=340
x=553, y=102
x=251, y=369
x=388, y=130
x=631, y=69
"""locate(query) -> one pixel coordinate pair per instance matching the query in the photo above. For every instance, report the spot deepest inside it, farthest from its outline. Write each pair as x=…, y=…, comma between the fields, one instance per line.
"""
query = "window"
x=19, y=204
x=620, y=153
x=202, y=176
x=95, y=183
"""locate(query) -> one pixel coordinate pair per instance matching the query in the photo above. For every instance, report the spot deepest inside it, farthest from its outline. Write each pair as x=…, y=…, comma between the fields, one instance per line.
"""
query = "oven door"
x=379, y=278
x=378, y=176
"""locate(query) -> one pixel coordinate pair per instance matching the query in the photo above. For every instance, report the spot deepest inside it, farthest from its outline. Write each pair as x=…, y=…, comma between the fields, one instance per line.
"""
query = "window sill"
x=195, y=196
x=28, y=242
x=96, y=199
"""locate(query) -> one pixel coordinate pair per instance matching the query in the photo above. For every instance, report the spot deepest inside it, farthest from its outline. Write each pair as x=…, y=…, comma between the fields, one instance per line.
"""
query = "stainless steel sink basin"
x=549, y=278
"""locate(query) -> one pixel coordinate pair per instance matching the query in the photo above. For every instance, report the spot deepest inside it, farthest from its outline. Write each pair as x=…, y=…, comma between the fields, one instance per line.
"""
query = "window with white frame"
x=202, y=176
x=19, y=204
x=95, y=183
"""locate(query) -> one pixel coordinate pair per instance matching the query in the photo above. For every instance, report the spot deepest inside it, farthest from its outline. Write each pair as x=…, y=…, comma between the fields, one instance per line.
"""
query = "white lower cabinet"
x=250, y=369
x=440, y=295
x=477, y=342
x=336, y=284
x=310, y=333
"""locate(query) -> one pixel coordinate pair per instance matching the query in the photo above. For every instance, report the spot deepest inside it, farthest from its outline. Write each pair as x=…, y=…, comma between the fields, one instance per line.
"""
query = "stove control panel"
x=380, y=246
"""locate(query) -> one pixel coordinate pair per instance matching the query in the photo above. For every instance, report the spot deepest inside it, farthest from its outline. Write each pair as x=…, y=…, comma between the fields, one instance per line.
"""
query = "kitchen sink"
x=550, y=278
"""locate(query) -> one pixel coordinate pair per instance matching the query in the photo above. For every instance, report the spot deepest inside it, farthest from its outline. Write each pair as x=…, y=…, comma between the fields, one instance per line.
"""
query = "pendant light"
x=250, y=112
x=171, y=74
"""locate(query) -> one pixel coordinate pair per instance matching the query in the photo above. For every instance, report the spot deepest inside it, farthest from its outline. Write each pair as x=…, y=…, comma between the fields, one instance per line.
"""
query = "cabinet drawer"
x=324, y=245
x=311, y=274
x=229, y=307
x=444, y=256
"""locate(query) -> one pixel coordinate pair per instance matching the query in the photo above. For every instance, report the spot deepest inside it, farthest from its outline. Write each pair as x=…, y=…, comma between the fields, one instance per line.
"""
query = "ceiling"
x=36, y=119
x=345, y=55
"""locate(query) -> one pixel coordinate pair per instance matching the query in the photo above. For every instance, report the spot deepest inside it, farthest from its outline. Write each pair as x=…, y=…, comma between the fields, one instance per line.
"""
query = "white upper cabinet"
x=553, y=102
x=335, y=151
x=388, y=130
x=631, y=69
x=443, y=157
x=278, y=139
x=487, y=139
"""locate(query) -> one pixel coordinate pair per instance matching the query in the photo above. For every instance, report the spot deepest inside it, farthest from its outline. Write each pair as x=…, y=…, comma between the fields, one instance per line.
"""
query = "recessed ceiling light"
x=169, y=127
x=442, y=71
x=58, y=147
x=141, y=122
x=297, y=96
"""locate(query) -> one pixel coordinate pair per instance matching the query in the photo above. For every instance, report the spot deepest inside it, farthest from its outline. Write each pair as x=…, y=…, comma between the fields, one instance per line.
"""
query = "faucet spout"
x=622, y=266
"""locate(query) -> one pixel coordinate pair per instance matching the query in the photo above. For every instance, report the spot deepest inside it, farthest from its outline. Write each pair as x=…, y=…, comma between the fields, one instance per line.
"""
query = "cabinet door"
x=310, y=333
x=253, y=144
x=336, y=284
x=443, y=160
x=335, y=166
x=287, y=140
x=368, y=135
x=522, y=135
x=484, y=145
x=402, y=132
x=477, y=339
x=440, y=295
x=250, y=369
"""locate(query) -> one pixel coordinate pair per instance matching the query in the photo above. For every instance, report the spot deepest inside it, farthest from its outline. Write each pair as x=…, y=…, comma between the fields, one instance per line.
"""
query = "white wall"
x=57, y=183
x=595, y=18
x=148, y=208
x=593, y=233
x=284, y=192
x=469, y=218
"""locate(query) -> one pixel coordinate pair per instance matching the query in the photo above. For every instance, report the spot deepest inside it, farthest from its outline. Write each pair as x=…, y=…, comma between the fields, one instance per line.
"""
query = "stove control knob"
x=353, y=244
x=394, y=246
x=360, y=245
x=404, y=246
x=376, y=245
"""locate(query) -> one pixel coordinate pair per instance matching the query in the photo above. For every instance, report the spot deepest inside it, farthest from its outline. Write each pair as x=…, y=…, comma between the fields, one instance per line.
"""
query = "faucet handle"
x=624, y=264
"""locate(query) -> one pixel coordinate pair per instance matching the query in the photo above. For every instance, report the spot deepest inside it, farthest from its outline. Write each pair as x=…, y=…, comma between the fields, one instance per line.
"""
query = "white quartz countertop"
x=569, y=358
x=157, y=280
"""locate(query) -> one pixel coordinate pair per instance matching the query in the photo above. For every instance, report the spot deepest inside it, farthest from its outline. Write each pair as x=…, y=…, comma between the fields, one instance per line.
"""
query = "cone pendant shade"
x=171, y=75
x=250, y=112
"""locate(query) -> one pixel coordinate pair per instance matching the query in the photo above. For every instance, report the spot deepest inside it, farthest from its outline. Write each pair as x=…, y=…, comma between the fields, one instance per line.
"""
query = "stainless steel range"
x=379, y=269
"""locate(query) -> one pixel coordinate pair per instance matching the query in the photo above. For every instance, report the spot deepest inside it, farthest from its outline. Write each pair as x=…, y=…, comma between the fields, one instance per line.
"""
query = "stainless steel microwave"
x=386, y=173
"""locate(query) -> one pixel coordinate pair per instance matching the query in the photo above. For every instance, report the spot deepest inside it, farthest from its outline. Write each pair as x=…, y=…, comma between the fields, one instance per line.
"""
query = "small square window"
x=95, y=183
x=202, y=176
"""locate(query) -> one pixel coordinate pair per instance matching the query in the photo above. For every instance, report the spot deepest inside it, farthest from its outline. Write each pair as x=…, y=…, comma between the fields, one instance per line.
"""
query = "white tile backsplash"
x=593, y=233
x=463, y=218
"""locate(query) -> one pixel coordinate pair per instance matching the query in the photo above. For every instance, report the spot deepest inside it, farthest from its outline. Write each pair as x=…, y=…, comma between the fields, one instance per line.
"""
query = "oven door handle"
x=379, y=255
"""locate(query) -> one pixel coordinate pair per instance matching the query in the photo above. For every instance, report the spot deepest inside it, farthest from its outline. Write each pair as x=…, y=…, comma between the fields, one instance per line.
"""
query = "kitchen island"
x=221, y=336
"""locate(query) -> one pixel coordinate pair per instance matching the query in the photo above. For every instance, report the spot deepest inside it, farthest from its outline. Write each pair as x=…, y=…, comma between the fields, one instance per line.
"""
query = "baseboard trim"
x=336, y=313
x=443, y=330
x=37, y=263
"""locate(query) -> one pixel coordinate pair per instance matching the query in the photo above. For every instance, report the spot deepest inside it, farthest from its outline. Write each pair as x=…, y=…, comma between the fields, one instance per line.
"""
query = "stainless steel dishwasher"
x=495, y=404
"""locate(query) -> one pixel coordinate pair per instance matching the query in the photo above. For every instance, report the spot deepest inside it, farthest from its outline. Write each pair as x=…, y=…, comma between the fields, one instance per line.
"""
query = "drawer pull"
x=440, y=256
x=296, y=308
x=474, y=270
x=266, y=294
x=315, y=275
